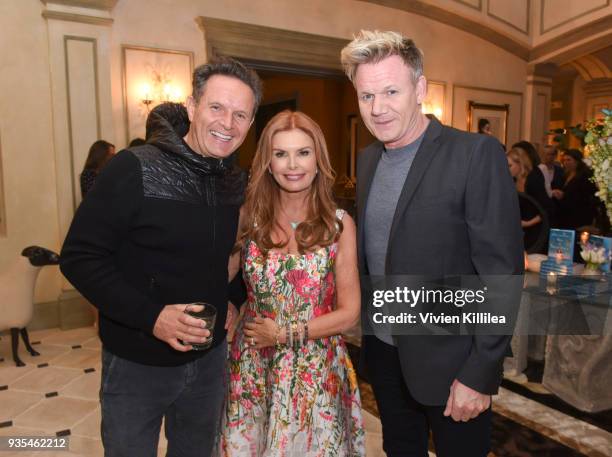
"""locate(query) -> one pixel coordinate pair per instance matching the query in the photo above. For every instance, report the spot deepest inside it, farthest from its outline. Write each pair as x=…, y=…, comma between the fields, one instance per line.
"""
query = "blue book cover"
x=561, y=245
x=560, y=252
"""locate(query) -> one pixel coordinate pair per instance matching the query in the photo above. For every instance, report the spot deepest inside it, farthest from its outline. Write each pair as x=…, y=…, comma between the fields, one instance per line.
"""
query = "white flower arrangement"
x=593, y=255
x=599, y=148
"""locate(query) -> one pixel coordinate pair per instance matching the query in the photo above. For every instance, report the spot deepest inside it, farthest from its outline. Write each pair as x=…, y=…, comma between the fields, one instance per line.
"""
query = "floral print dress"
x=284, y=402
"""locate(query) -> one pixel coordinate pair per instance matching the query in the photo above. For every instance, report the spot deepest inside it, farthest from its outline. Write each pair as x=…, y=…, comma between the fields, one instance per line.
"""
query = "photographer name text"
x=441, y=318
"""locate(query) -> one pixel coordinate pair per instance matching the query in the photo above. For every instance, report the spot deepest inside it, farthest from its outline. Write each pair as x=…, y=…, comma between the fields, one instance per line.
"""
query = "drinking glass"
x=209, y=315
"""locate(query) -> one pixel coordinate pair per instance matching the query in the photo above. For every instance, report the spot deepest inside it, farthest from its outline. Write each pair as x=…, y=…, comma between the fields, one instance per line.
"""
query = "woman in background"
x=577, y=198
x=292, y=388
x=519, y=165
x=535, y=184
x=99, y=154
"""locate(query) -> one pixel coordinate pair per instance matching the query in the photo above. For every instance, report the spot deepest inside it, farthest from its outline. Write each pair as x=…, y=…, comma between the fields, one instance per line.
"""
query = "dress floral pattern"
x=283, y=402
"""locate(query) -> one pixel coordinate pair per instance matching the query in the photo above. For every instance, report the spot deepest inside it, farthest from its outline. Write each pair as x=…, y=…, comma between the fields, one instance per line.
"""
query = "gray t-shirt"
x=387, y=185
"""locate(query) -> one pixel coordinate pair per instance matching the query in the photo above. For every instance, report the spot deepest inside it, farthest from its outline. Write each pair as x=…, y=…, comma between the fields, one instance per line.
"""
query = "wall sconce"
x=147, y=97
x=159, y=93
x=430, y=108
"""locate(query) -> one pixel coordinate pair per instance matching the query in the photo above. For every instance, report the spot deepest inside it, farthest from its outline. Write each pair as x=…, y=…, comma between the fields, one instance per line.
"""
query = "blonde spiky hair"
x=373, y=46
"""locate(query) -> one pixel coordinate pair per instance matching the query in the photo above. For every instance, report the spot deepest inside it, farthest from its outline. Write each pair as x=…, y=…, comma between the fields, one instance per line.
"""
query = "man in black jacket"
x=434, y=204
x=155, y=234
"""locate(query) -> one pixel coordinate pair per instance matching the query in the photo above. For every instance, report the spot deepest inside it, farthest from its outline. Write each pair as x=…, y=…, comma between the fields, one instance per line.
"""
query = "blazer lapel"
x=418, y=168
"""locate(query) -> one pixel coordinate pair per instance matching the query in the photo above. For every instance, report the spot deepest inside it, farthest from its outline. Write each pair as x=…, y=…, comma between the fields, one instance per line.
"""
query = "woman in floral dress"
x=292, y=390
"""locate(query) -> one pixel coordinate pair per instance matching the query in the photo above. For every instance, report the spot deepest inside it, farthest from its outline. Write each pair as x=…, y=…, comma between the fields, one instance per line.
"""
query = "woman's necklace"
x=293, y=224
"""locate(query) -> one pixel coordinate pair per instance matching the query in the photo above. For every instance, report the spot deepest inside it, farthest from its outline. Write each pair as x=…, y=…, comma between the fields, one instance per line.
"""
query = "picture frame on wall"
x=150, y=77
x=497, y=115
x=360, y=137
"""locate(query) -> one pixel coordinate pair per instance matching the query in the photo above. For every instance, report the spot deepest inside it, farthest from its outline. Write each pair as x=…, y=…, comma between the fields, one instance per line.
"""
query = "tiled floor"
x=63, y=395
x=58, y=391
x=55, y=391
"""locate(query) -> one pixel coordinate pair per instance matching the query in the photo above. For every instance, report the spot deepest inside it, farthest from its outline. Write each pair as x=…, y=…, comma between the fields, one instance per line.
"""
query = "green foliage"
x=598, y=141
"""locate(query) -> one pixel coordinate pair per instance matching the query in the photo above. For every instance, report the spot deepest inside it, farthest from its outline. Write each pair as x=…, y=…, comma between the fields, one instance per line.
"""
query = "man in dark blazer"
x=432, y=201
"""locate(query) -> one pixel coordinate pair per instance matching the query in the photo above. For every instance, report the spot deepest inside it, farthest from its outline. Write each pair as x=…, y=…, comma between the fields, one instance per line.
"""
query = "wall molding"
x=543, y=6
x=539, y=83
x=510, y=24
x=598, y=88
x=462, y=23
x=567, y=39
x=478, y=8
x=268, y=44
x=488, y=89
x=2, y=200
x=502, y=41
x=82, y=18
x=45, y=315
x=591, y=68
x=74, y=311
x=537, y=80
x=94, y=42
x=69, y=311
x=106, y=5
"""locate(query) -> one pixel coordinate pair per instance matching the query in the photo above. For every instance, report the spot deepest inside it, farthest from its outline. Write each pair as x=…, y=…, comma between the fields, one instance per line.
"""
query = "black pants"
x=136, y=397
x=406, y=422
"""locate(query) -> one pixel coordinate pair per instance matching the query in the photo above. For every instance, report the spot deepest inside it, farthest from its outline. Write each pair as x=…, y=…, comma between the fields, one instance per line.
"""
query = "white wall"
x=26, y=132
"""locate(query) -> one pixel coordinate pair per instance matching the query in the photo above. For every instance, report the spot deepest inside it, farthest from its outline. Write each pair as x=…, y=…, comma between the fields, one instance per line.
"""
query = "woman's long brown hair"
x=262, y=204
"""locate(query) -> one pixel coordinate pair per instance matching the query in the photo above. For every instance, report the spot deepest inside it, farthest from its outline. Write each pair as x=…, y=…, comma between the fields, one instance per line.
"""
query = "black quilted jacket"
x=157, y=228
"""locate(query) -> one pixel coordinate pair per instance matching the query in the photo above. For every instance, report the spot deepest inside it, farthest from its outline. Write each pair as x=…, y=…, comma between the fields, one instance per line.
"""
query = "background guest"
x=484, y=126
x=136, y=142
x=552, y=171
x=99, y=154
x=534, y=183
x=519, y=164
x=577, y=198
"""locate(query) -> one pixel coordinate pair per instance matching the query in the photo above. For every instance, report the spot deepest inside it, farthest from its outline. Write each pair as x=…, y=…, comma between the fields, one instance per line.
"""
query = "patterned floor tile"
x=9, y=373
x=89, y=427
x=14, y=403
x=71, y=337
x=78, y=358
x=48, y=379
x=55, y=414
x=86, y=387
